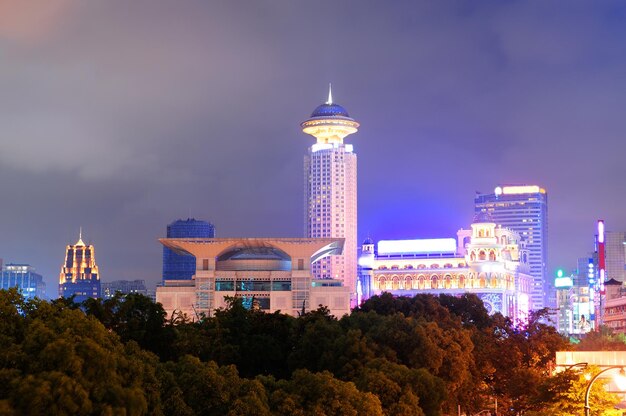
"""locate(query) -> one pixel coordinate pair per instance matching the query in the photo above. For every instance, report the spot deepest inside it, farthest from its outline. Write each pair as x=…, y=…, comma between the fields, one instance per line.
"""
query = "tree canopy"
x=423, y=355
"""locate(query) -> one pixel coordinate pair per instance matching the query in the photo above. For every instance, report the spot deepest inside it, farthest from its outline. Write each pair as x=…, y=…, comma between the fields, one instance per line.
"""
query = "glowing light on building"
x=366, y=261
x=525, y=189
x=600, y=231
x=563, y=282
x=601, y=255
x=420, y=246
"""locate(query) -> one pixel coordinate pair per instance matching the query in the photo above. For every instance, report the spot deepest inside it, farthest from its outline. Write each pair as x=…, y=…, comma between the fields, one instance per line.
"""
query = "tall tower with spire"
x=79, y=274
x=331, y=190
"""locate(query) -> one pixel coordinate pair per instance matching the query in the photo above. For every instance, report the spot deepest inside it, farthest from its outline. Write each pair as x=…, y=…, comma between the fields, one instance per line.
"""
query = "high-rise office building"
x=183, y=266
x=524, y=209
x=615, y=250
x=24, y=278
x=330, y=169
x=79, y=274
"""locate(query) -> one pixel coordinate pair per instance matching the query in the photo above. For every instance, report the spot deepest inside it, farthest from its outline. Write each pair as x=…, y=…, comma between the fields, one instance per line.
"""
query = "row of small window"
x=252, y=286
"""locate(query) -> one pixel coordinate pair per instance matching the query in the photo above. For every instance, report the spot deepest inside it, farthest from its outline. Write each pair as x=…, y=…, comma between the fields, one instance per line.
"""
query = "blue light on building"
x=178, y=266
x=22, y=277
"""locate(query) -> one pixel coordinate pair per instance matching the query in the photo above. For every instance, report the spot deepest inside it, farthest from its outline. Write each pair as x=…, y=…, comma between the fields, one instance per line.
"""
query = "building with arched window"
x=270, y=274
x=487, y=260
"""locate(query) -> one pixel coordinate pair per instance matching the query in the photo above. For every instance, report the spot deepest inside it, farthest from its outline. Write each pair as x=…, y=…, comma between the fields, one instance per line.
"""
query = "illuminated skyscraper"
x=183, y=266
x=524, y=209
x=79, y=274
x=331, y=190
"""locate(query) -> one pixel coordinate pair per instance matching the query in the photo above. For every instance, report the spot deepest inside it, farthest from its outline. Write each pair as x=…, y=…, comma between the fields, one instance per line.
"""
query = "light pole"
x=613, y=367
x=569, y=367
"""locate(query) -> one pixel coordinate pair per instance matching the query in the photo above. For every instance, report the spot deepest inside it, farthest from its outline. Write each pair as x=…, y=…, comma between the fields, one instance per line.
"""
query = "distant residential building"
x=183, y=266
x=125, y=287
x=24, y=278
x=615, y=315
x=271, y=274
x=79, y=274
x=151, y=293
x=489, y=261
x=615, y=249
x=524, y=209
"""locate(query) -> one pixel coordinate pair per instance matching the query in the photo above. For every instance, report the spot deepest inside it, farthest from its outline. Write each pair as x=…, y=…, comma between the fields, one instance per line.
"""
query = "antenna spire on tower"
x=80, y=237
x=330, y=93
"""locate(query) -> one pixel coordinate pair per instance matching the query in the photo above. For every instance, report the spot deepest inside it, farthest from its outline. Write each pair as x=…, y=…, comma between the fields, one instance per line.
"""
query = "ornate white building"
x=330, y=190
x=487, y=260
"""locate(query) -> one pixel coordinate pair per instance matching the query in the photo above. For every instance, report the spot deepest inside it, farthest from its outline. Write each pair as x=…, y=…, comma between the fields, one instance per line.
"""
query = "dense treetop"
x=392, y=356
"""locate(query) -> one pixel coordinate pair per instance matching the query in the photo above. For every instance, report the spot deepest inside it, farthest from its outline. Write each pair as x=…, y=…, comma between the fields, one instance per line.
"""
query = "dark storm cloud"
x=123, y=116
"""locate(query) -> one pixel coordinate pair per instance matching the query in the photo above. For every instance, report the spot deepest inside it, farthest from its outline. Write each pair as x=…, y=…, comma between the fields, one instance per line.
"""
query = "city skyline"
x=101, y=128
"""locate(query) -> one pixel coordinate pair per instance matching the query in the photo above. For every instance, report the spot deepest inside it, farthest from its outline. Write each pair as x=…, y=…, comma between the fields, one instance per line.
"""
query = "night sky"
x=121, y=117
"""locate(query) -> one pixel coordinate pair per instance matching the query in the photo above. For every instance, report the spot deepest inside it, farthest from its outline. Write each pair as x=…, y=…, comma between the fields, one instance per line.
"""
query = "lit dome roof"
x=330, y=110
x=482, y=217
x=368, y=241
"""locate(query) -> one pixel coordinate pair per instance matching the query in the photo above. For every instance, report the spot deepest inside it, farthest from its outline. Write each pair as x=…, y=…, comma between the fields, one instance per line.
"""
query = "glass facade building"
x=24, y=278
x=524, y=209
x=179, y=266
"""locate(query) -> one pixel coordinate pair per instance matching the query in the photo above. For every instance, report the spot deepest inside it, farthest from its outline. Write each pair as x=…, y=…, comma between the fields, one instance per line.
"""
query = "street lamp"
x=569, y=367
x=620, y=380
x=583, y=365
